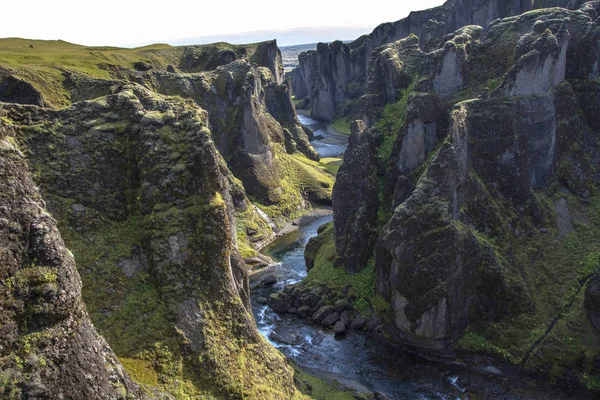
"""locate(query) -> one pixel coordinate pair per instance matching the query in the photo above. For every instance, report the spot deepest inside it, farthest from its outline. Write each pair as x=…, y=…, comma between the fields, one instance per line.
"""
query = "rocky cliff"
x=250, y=111
x=48, y=345
x=152, y=194
x=335, y=74
x=148, y=206
x=477, y=163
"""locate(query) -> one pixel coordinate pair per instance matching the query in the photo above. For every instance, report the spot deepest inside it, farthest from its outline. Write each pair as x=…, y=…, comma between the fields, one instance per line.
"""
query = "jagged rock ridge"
x=330, y=76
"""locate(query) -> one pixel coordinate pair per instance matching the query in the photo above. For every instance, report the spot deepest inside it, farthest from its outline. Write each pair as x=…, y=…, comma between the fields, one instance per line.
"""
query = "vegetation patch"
x=341, y=125
x=324, y=272
x=320, y=389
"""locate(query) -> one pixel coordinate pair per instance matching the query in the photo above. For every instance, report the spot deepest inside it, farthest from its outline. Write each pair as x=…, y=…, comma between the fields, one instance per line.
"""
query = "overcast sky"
x=127, y=23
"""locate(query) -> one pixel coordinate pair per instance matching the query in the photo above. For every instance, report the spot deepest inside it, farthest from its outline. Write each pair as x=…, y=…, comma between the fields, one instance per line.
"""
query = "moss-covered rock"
x=149, y=208
x=487, y=218
x=48, y=345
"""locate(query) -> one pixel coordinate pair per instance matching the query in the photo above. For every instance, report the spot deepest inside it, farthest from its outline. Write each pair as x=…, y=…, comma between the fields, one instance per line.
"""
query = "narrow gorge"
x=411, y=215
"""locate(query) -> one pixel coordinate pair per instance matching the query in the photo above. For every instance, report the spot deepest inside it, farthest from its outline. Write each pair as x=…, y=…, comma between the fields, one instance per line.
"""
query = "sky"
x=131, y=22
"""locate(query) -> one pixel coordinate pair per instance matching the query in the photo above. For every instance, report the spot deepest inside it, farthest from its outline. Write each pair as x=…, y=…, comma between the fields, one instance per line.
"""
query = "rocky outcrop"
x=356, y=218
x=329, y=71
x=48, y=346
x=149, y=207
x=473, y=146
x=542, y=65
x=252, y=119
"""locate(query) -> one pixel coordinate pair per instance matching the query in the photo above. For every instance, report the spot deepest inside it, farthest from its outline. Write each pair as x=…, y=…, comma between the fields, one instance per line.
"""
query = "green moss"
x=300, y=178
x=141, y=371
x=472, y=342
x=341, y=125
x=551, y=272
x=391, y=121
x=363, y=284
x=320, y=389
x=330, y=164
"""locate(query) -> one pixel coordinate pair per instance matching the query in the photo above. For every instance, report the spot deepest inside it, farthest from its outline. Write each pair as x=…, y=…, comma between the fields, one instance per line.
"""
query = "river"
x=364, y=361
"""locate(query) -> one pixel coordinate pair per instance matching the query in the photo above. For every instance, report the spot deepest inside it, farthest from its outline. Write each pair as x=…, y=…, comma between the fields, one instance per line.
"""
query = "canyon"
x=414, y=213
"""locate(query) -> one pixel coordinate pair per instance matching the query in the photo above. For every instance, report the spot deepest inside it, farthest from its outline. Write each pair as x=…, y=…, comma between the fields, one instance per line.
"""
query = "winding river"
x=366, y=362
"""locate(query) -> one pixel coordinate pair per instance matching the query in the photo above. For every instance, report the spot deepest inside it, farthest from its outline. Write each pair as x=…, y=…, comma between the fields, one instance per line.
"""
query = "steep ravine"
x=366, y=362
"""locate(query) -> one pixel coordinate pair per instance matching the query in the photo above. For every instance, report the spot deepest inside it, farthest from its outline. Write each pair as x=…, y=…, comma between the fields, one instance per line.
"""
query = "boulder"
x=341, y=305
x=304, y=311
x=358, y=322
x=372, y=324
x=339, y=327
x=279, y=302
x=262, y=300
x=269, y=280
x=331, y=319
x=322, y=313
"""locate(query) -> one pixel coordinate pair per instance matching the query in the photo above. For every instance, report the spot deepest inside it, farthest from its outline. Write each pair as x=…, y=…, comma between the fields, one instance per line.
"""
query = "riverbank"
x=367, y=362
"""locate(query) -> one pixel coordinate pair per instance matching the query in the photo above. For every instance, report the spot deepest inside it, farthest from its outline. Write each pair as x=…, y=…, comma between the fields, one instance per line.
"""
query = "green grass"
x=320, y=389
x=44, y=65
x=300, y=178
x=342, y=125
x=392, y=119
x=331, y=164
x=363, y=284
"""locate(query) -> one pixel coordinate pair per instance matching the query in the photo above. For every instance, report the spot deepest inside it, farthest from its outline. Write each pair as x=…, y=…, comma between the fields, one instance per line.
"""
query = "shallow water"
x=328, y=142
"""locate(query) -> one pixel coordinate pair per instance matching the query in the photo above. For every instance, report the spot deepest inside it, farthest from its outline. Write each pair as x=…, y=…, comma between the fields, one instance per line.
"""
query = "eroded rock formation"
x=328, y=75
x=478, y=157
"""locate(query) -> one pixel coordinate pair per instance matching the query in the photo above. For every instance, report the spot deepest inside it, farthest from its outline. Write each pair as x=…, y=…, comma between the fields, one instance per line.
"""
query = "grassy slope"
x=44, y=65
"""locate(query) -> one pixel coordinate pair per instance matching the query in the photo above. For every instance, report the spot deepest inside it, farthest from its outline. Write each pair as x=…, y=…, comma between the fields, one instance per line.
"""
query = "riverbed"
x=328, y=142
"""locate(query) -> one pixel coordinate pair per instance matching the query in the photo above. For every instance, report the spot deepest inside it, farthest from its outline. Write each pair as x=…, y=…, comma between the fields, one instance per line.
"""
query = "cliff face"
x=48, y=346
x=250, y=111
x=149, y=207
x=250, y=115
x=149, y=191
x=330, y=75
x=478, y=173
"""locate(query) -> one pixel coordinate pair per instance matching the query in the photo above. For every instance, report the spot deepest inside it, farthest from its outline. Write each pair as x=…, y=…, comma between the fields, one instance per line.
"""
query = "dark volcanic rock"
x=15, y=90
x=355, y=201
x=330, y=73
x=322, y=313
x=339, y=327
x=280, y=302
x=466, y=173
x=331, y=319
